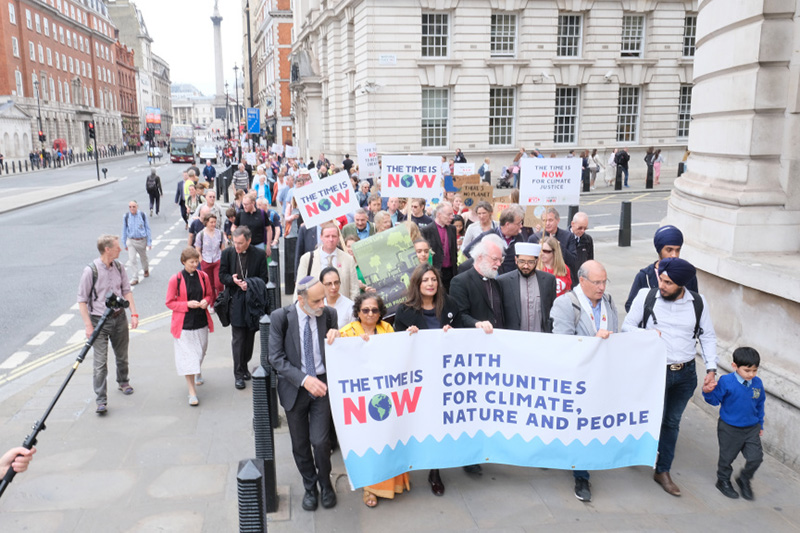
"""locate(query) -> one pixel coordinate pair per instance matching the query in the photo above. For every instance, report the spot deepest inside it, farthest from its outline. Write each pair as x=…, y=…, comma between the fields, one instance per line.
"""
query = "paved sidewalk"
x=39, y=195
x=154, y=463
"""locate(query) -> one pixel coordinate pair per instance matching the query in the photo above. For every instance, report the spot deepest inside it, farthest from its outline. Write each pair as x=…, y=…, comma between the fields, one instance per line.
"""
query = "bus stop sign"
x=253, y=120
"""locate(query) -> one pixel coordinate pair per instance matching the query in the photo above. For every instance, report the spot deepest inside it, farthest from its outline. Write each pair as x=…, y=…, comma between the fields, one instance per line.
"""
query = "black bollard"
x=13, y=167
x=289, y=246
x=105, y=171
x=618, y=180
x=585, y=180
x=624, y=224
x=264, y=437
x=252, y=507
x=263, y=328
x=26, y=166
x=681, y=168
x=572, y=210
x=264, y=325
x=276, y=260
x=273, y=292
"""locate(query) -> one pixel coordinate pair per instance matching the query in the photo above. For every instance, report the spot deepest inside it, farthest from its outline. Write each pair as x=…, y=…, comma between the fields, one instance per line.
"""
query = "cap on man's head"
x=680, y=271
x=667, y=236
x=528, y=248
x=306, y=283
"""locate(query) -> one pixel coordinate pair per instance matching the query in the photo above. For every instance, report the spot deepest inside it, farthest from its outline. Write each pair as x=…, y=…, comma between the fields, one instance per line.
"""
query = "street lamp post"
x=39, y=107
x=238, y=116
x=226, y=110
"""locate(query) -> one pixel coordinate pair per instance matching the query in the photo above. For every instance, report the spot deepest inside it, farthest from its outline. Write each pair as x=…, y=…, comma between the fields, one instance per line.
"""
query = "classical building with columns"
x=493, y=76
x=739, y=203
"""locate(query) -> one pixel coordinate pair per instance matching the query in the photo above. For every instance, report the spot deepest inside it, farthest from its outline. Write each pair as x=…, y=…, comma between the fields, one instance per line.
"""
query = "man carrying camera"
x=103, y=275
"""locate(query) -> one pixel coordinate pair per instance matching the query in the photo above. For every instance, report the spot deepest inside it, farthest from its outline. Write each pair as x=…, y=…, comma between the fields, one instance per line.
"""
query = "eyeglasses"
x=547, y=251
x=332, y=284
x=599, y=283
x=370, y=310
x=526, y=262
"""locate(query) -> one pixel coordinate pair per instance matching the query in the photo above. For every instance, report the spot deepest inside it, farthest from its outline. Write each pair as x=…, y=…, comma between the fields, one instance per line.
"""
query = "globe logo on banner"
x=380, y=407
x=324, y=204
x=468, y=202
x=407, y=181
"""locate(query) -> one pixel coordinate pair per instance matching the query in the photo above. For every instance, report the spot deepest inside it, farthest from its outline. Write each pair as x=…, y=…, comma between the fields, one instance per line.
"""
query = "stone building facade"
x=739, y=203
x=62, y=52
x=493, y=76
x=126, y=83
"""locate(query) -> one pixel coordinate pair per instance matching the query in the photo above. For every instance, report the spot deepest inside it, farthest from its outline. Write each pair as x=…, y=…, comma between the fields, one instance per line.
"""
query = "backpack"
x=92, y=292
x=650, y=302
x=144, y=217
x=151, y=185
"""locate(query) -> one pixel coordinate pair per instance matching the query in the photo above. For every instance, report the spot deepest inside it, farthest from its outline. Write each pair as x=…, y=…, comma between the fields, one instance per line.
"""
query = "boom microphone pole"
x=113, y=303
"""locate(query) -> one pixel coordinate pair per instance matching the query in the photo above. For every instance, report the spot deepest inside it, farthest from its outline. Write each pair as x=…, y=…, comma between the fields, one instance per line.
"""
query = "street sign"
x=253, y=120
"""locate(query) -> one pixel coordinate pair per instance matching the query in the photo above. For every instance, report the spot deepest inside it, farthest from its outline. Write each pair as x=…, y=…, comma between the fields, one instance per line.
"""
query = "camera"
x=116, y=302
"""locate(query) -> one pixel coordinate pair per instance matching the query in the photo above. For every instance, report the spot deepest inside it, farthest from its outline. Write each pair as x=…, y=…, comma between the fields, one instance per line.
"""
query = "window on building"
x=61, y=33
x=15, y=47
x=49, y=57
x=32, y=50
x=69, y=38
x=435, y=113
x=566, y=115
x=684, y=111
x=71, y=65
x=34, y=85
x=58, y=5
x=628, y=114
x=28, y=19
x=64, y=62
x=12, y=13
x=18, y=80
x=503, y=35
x=689, y=33
x=46, y=27
x=81, y=39
x=83, y=68
x=52, y=88
x=633, y=36
x=60, y=91
x=66, y=93
x=501, y=116
x=570, y=32
x=435, y=34
x=41, y=54
x=58, y=61
x=38, y=23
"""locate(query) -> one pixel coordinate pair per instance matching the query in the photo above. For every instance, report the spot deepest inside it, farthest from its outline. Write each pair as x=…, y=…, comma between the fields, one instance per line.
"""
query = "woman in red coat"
x=188, y=296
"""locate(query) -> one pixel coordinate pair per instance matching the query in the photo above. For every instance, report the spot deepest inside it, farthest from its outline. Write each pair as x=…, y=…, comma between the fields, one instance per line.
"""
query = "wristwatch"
x=710, y=370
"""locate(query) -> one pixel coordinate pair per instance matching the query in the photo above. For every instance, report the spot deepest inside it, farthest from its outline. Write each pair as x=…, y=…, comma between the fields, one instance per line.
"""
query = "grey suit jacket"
x=285, y=353
x=512, y=304
x=563, y=315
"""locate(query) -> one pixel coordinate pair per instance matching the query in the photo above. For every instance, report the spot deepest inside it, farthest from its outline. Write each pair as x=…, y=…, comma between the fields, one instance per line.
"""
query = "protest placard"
x=276, y=148
x=472, y=194
x=550, y=181
x=532, y=214
x=467, y=179
x=439, y=399
x=387, y=260
x=250, y=158
x=411, y=177
x=368, y=165
x=314, y=173
x=463, y=169
x=324, y=200
x=292, y=152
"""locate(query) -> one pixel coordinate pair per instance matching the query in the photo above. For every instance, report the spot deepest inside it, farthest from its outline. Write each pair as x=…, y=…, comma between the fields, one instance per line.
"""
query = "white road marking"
x=62, y=320
x=177, y=241
x=154, y=262
x=14, y=360
x=170, y=247
x=162, y=254
x=41, y=338
x=74, y=307
x=78, y=336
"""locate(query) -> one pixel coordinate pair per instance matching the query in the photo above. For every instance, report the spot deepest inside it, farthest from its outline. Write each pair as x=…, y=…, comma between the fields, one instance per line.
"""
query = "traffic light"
x=42, y=137
x=91, y=131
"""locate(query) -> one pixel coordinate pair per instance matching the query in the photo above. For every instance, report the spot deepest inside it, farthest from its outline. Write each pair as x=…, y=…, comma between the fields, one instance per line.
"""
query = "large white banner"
x=550, y=181
x=368, y=165
x=405, y=402
x=322, y=201
x=411, y=177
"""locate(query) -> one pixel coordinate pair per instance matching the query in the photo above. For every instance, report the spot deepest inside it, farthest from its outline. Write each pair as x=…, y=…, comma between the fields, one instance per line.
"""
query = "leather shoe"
x=247, y=376
x=239, y=383
x=744, y=486
x=664, y=479
x=473, y=469
x=727, y=489
x=328, y=497
x=310, y=500
x=437, y=487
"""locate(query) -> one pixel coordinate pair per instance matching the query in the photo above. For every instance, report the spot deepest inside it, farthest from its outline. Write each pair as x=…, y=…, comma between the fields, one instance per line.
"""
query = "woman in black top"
x=427, y=307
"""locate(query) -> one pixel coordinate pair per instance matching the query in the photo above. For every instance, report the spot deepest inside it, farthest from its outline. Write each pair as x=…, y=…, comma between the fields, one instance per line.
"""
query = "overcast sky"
x=191, y=55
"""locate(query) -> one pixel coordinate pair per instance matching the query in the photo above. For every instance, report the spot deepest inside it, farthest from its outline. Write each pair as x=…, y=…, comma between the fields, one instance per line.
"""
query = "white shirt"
x=344, y=310
x=323, y=256
x=676, y=322
x=302, y=318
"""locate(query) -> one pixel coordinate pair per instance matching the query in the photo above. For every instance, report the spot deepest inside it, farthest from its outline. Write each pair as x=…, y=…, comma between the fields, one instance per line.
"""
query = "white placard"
x=550, y=181
x=292, y=152
x=463, y=169
x=368, y=166
x=324, y=200
x=411, y=177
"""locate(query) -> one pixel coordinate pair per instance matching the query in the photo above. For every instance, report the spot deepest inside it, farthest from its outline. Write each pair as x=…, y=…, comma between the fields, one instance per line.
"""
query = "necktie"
x=308, y=350
x=746, y=383
x=330, y=260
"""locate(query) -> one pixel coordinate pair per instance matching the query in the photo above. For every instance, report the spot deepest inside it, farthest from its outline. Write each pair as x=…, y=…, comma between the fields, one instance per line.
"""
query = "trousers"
x=309, y=422
x=115, y=330
x=733, y=440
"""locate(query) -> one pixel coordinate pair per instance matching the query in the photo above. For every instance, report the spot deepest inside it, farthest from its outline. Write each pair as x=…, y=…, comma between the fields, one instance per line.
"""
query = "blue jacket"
x=741, y=406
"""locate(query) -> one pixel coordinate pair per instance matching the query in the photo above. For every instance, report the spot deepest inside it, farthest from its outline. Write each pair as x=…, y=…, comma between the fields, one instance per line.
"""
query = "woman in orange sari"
x=369, y=310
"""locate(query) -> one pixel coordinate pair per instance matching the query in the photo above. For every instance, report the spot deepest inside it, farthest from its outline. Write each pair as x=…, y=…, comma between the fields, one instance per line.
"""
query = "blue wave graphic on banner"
x=374, y=467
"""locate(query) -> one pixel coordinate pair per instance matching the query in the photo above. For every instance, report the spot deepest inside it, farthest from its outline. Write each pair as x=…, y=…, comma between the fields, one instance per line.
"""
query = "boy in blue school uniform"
x=741, y=421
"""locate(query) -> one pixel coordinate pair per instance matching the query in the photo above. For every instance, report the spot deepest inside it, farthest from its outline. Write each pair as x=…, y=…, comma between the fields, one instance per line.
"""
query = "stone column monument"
x=217, y=20
x=739, y=203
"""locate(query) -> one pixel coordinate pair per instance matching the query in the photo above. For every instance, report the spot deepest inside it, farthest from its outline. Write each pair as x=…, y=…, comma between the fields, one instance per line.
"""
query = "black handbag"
x=222, y=306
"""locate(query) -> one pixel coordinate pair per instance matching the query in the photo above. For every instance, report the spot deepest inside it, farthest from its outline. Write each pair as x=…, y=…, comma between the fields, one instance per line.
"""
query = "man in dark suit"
x=307, y=239
x=584, y=244
x=509, y=228
x=297, y=353
x=441, y=235
x=528, y=294
x=238, y=263
x=551, y=219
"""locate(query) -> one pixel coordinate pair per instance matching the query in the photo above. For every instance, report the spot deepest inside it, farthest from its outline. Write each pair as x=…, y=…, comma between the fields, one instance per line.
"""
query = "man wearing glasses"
x=589, y=312
x=528, y=294
x=509, y=228
x=137, y=239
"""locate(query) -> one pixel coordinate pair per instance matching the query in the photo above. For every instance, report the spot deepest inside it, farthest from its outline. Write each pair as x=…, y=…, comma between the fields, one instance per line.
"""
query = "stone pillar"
x=739, y=203
x=216, y=19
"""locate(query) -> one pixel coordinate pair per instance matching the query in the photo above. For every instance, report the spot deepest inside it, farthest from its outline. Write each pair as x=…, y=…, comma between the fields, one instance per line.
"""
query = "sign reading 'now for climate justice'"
x=411, y=177
x=324, y=200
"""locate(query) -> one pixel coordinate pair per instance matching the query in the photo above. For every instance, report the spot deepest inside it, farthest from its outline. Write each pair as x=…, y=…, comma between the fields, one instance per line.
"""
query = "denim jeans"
x=679, y=390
